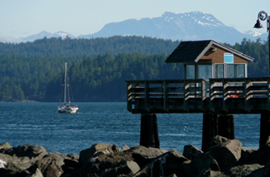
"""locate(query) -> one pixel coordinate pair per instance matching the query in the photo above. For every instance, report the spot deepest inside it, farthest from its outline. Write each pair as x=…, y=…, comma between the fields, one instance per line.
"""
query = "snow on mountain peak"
x=253, y=33
x=61, y=34
x=168, y=19
x=195, y=17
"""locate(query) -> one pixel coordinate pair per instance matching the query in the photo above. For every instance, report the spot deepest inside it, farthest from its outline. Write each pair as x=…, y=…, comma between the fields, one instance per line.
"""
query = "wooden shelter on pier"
x=209, y=59
x=215, y=83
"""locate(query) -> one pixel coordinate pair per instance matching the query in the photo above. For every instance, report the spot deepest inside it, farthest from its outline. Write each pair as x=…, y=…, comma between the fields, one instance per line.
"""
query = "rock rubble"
x=225, y=158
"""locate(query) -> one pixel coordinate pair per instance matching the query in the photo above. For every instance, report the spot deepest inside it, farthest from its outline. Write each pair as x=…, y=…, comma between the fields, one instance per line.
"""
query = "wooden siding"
x=218, y=56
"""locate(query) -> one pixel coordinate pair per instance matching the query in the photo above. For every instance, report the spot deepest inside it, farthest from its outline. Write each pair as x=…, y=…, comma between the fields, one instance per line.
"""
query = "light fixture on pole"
x=263, y=16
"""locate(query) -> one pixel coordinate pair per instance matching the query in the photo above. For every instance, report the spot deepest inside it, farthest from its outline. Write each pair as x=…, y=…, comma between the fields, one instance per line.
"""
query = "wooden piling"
x=210, y=129
x=214, y=125
x=265, y=128
x=226, y=126
x=149, y=131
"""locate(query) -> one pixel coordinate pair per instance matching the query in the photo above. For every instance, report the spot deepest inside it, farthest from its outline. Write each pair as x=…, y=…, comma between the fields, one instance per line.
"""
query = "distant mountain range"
x=43, y=34
x=34, y=37
x=182, y=26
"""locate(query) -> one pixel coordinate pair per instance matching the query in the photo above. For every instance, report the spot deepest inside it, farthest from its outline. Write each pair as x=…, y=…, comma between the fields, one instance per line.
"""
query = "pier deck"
x=220, y=96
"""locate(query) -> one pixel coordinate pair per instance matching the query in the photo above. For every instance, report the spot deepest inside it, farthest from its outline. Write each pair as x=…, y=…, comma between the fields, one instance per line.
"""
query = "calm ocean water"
x=41, y=124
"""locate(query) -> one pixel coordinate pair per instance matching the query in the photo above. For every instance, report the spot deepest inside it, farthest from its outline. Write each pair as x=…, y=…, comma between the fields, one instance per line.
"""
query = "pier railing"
x=236, y=95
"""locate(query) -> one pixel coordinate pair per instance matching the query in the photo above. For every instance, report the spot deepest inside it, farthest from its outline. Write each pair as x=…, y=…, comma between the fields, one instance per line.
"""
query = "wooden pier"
x=220, y=96
x=215, y=98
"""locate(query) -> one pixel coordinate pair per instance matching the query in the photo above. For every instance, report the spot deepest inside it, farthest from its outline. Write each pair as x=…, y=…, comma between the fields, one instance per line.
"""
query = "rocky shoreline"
x=225, y=158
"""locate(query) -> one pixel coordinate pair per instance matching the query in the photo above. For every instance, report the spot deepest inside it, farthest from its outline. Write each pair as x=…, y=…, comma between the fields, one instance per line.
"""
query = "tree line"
x=58, y=47
x=34, y=71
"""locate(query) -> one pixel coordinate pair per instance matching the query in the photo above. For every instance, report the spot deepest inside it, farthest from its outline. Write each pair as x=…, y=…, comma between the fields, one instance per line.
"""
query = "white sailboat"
x=67, y=107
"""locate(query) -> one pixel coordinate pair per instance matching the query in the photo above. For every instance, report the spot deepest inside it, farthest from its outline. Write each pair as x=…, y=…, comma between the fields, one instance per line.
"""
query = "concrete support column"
x=226, y=126
x=265, y=128
x=149, y=131
x=210, y=129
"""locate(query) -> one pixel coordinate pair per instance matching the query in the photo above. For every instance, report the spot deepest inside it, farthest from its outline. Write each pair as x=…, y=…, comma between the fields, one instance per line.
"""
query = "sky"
x=22, y=18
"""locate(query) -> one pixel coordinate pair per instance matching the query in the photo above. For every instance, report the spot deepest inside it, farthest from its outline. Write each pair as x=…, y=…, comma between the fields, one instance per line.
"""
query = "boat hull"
x=68, y=109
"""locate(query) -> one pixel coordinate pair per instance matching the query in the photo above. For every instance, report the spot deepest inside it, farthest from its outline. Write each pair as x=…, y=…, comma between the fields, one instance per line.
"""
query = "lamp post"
x=265, y=123
x=263, y=16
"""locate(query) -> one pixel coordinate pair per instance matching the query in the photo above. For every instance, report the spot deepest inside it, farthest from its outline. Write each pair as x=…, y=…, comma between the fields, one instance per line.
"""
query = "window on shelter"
x=231, y=71
x=219, y=71
x=204, y=71
x=240, y=70
x=228, y=58
x=236, y=70
x=190, y=72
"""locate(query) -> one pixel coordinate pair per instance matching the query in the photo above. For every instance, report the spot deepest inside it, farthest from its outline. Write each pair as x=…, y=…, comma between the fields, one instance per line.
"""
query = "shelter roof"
x=192, y=51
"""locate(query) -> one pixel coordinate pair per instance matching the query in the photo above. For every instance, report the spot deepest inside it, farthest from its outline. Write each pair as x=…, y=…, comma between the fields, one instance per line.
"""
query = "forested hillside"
x=259, y=50
x=57, y=47
x=97, y=68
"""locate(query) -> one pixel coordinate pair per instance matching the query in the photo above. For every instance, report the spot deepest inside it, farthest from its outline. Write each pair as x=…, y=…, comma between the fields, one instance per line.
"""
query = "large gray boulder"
x=95, y=150
x=170, y=162
x=122, y=168
x=36, y=173
x=71, y=166
x=119, y=163
x=3, y=163
x=143, y=155
x=5, y=145
x=191, y=151
x=56, y=164
x=164, y=165
x=173, y=163
x=262, y=172
x=103, y=160
x=199, y=166
x=34, y=152
x=243, y=170
x=4, y=159
x=217, y=141
x=18, y=160
x=247, y=154
x=35, y=161
x=51, y=165
x=226, y=152
x=261, y=156
x=125, y=147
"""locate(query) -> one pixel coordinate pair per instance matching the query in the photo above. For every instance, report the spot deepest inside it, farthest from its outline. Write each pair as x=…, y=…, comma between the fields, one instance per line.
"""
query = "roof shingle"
x=189, y=51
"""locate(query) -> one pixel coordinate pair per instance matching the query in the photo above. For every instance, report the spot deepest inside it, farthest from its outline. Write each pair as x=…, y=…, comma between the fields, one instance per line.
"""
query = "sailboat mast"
x=65, y=82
